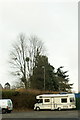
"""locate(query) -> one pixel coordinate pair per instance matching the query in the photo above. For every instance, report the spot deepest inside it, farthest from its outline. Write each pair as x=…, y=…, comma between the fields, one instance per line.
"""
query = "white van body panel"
x=6, y=104
x=55, y=101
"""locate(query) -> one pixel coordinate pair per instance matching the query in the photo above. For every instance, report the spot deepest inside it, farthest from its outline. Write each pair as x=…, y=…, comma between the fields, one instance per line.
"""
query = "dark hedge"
x=20, y=99
x=27, y=99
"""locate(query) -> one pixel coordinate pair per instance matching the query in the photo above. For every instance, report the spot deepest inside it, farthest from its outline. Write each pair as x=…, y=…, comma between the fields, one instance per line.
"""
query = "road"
x=43, y=114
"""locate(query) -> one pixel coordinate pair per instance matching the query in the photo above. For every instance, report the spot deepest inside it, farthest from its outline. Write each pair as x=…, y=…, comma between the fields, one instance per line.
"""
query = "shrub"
x=78, y=103
x=25, y=99
x=20, y=99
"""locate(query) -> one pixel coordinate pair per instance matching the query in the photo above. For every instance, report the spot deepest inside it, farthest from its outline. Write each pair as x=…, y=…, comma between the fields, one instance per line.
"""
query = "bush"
x=78, y=103
x=25, y=99
x=22, y=100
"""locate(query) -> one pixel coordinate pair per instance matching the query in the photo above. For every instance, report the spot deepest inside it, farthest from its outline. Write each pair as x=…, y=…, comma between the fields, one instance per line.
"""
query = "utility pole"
x=44, y=76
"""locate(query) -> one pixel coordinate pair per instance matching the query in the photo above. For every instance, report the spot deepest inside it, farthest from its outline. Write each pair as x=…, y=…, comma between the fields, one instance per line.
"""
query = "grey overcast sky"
x=56, y=23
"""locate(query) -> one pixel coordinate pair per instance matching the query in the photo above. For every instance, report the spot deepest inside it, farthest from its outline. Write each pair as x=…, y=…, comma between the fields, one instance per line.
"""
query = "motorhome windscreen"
x=72, y=100
x=39, y=100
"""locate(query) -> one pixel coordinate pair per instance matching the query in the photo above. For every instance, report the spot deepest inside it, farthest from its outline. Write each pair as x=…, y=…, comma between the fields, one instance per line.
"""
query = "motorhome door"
x=53, y=104
x=47, y=103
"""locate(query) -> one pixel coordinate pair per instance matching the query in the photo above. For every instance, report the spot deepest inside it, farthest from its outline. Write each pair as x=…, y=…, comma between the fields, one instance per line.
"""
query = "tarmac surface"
x=43, y=114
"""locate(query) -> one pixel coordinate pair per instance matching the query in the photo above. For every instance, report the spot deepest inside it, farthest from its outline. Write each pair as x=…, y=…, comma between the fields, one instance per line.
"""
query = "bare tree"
x=36, y=47
x=23, y=57
x=18, y=59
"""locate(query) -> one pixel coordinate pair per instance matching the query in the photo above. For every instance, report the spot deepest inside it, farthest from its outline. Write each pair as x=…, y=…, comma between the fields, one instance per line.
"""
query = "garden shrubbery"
x=25, y=99
x=78, y=103
x=20, y=99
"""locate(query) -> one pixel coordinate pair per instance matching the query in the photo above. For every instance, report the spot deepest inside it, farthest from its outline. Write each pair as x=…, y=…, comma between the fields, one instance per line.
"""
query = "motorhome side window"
x=39, y=100
x=47, y=100
x=64, y=100
x=71, y=99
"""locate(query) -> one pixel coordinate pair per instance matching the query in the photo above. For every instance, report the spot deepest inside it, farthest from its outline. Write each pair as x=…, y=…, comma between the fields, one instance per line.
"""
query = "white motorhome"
x=6, y=105
x=55, y=101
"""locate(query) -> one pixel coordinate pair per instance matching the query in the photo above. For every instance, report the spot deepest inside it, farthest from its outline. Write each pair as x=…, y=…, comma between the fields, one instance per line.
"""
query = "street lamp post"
x=44, y=76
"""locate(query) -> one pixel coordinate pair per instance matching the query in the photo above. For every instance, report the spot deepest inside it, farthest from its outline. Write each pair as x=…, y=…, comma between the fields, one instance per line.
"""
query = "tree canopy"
x=31, y=65
x=54, y=81
x=22, y=57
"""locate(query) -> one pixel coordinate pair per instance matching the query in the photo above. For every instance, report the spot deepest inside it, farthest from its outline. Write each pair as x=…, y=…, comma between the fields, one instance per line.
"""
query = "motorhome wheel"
x=37, y=108
x=59, y=108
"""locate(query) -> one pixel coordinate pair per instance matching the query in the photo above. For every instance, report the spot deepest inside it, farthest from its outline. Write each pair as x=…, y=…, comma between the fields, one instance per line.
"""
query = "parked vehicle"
x=6, y=105
x=55, y=101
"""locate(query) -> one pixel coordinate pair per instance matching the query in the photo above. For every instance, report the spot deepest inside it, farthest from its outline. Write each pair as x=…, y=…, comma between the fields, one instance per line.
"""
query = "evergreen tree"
x=37, y=79
x=63, y=80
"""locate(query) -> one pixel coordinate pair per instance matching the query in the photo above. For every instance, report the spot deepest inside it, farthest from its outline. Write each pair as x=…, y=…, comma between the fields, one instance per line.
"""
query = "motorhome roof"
x=54, y=95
